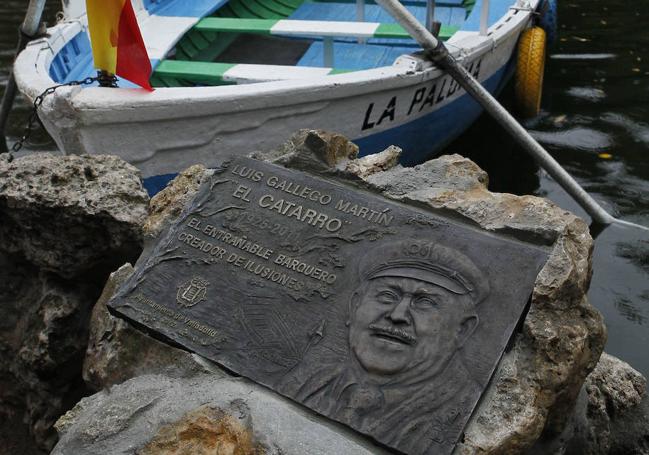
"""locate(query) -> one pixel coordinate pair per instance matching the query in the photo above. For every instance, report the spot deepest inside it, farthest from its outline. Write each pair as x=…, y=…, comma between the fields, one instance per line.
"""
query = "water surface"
x=595, y=122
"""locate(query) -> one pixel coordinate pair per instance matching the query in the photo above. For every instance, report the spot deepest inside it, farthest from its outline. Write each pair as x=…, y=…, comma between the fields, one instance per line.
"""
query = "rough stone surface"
x=168, y=203
x=614, y=418
x=199, y=415
x=537, y=383
x=446, y=172
x=371, y=164
x=67, y=214
x=42, y=337
x=209, y=430
x=611, y=416
x=117, y=351
x=312, y=149
x=65, y=223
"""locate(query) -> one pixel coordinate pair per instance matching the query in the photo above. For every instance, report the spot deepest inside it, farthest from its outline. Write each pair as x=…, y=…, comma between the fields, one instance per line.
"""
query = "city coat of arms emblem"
x=192, y=292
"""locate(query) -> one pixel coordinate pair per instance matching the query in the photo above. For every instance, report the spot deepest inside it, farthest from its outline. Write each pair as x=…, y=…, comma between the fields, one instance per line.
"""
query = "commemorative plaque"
x=382, y=316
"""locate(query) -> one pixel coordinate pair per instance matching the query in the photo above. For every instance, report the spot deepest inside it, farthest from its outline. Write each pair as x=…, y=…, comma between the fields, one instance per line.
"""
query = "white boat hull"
x=411, y=104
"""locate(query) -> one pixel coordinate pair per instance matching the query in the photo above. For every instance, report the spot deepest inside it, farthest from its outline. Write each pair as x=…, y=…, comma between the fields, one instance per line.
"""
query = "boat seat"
x=406, y=3
x=306, y=28
x=378, y=51
x=211, y=73
x=451, y=17
x=331, y=30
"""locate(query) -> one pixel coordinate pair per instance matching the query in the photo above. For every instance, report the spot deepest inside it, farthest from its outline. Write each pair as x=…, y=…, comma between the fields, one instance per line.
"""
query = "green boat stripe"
x=197, y=71
x=390, y=31
x=220, y=73
x=396, y=31
x=230, y=24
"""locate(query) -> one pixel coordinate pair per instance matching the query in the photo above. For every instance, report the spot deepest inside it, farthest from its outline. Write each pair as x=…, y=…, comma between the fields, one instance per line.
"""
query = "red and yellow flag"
x=117, y=44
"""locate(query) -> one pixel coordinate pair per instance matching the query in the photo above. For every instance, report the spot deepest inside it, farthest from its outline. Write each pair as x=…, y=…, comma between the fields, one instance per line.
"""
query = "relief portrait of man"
x=404, y=380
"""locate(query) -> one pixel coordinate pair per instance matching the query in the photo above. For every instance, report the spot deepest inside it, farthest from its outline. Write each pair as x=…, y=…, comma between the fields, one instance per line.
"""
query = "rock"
x=199, y=415
x=313, y=150
x=66, y=222
x=117, y=351
x=371, y=164
x=43, y=334
x=613, y=417
x=211, y=430
x=614, y=386
x=168, y=203
x=70, y=214
x=446, y=172
x=537, y=383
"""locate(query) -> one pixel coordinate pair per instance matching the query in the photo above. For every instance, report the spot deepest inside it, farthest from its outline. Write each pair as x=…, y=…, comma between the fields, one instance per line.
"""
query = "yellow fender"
x=530, y=66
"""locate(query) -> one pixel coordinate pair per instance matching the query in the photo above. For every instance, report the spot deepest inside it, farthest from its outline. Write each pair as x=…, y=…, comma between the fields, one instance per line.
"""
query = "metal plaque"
x=383, y=316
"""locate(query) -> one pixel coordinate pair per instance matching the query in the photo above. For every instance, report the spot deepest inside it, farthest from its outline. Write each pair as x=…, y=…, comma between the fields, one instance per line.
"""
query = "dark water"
x=596, y=102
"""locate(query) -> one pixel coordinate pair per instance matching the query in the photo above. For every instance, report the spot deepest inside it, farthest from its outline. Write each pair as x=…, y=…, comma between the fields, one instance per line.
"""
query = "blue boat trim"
x=425, y=136
x=182, y=8
x=497, y=9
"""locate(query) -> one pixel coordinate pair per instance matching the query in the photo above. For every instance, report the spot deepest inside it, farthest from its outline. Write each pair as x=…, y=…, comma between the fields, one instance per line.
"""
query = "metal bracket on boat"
x=106, y=79
x=439, y=53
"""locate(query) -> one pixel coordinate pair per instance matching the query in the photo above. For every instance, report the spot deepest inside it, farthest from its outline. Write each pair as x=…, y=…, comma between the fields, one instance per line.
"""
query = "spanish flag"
x=117, y=44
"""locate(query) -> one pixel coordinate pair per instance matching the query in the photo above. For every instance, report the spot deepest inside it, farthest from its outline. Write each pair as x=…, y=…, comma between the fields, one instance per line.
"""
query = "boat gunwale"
x=463, y=45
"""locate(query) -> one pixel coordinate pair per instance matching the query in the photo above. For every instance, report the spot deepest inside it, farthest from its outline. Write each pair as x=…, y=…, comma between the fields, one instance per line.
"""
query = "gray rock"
x=43, y=334
x=147, y=415
x=537, y=383
x=312, y=150
x=70, y=214
x=614, y=417
x=371, y=164
x=445, y=172
x=167, y=204
x=65, y=223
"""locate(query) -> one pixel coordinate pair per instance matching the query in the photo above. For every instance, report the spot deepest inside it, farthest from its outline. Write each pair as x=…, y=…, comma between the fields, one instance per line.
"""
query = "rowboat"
x=233, y=76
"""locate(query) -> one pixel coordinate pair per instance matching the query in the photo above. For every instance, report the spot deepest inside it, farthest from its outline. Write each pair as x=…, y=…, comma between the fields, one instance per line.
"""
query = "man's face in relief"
x=400, y=323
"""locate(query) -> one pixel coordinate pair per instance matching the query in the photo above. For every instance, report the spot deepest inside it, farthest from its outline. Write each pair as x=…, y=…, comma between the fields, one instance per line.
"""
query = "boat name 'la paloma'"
x=422, y=98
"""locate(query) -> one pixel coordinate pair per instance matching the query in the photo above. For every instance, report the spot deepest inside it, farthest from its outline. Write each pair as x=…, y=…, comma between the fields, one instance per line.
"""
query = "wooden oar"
x=438, y=53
